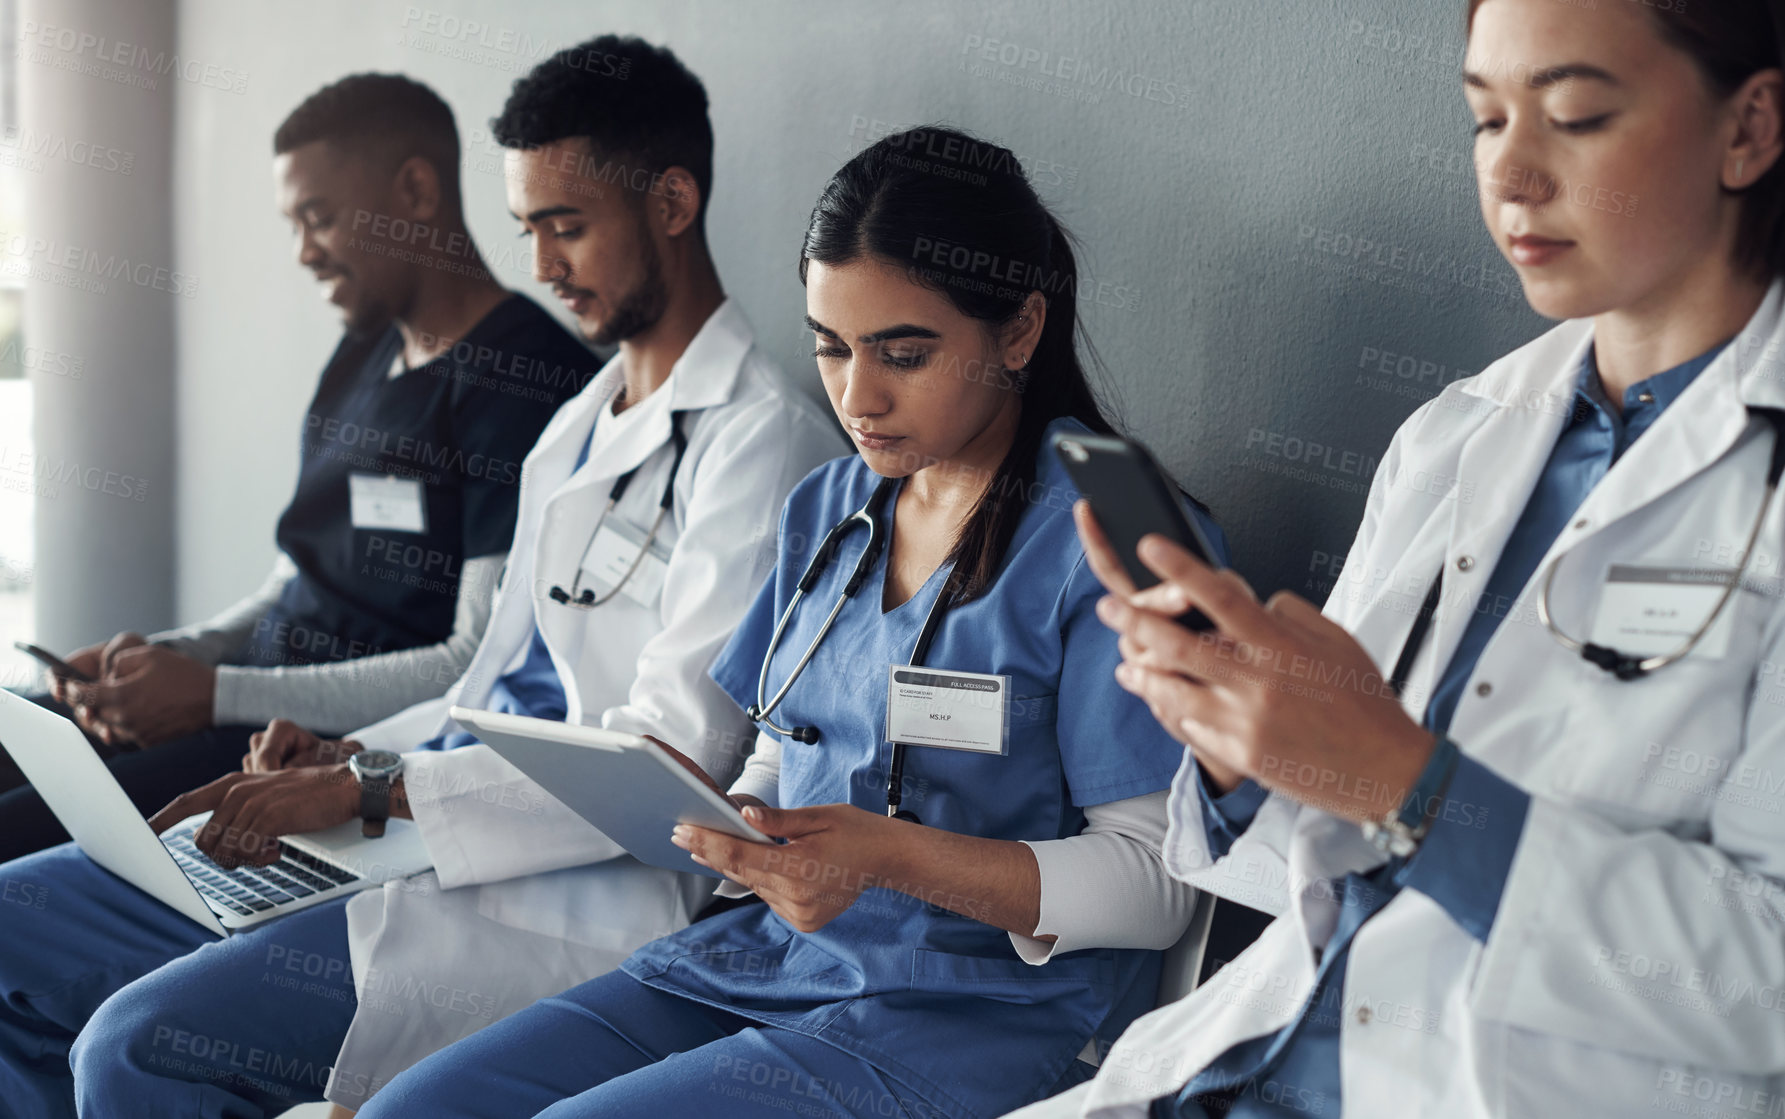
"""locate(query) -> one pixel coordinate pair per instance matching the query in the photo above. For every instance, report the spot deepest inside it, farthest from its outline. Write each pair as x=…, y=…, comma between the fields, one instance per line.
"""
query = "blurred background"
x=1275, y=203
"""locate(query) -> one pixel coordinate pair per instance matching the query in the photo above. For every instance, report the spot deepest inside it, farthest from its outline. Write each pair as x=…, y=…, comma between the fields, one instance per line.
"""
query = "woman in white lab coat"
x=1580, y=908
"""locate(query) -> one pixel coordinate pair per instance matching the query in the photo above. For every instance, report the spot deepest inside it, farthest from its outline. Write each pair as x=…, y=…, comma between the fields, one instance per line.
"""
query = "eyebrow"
x=891, y=333
x=1545, y=77
x=547, y=212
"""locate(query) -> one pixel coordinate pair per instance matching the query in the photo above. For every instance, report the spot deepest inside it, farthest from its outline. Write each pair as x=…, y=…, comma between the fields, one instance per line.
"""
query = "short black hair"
x=634, y=102
x=387, y=116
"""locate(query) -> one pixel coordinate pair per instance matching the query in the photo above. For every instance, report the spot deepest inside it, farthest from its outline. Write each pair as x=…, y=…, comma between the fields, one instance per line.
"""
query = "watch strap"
x=374, y=805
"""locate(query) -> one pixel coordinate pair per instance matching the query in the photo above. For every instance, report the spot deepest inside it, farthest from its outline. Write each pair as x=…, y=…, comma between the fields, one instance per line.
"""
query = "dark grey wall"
x=1272, y=194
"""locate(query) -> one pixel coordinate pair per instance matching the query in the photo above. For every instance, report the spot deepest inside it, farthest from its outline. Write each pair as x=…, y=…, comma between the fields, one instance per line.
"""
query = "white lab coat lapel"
x=1499, y=466
x=543, y=472
x=704, y=376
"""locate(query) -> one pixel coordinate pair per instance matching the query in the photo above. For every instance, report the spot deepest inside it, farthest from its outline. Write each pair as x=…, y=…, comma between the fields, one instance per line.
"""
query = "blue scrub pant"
x=616, y=1048
x=158, y=1017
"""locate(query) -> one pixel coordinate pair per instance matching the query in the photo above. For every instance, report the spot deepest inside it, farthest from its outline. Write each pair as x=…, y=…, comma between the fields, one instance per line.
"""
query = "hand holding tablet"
x=633, y=788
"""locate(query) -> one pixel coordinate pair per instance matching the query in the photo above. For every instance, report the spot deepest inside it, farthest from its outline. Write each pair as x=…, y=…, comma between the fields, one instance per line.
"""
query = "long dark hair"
x=959, y=215
x=1731, y=41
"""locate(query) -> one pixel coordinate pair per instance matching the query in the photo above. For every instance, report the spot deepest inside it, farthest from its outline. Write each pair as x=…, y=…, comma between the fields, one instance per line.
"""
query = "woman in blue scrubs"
x=900, y=967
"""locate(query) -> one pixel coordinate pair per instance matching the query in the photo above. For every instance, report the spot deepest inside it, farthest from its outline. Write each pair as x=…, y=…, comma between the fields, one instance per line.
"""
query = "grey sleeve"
x=1107, y=887
x=762, y=771
x=339, y=697
x=211, y=640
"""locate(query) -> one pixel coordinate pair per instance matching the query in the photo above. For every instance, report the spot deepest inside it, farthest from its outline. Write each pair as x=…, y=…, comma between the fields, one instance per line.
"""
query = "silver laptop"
x=314, y=868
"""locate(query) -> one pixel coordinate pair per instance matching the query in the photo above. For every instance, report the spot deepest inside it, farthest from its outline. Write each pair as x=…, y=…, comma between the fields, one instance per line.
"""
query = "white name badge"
x=1649, y=611
x=381, y=502
x=616, y=545
x=954, y=710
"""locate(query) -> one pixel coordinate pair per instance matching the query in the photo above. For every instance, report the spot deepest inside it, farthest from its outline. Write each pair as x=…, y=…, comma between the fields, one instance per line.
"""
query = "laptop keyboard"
x=254, y=889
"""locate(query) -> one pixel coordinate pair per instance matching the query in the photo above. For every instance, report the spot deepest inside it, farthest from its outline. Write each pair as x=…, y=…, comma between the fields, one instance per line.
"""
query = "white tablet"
x=624, y=784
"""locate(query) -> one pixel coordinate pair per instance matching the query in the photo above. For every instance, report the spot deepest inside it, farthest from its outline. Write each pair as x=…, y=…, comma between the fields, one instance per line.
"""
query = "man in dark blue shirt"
x=410, y=459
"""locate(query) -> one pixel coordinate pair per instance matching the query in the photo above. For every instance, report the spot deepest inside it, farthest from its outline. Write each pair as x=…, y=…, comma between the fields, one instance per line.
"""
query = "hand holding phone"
x=51, y=661
x=1131, y=498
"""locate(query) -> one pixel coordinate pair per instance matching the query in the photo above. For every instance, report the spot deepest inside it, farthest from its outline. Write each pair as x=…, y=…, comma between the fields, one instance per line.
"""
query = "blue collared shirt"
x=1465, y=859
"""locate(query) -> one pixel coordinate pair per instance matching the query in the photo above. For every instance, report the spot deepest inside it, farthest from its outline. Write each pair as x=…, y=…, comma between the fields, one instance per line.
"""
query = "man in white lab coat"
x=526, y=898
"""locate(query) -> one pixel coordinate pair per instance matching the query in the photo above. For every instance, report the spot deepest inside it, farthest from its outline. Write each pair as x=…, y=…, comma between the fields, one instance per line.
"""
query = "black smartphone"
x=1132, y=497
x=54, y=663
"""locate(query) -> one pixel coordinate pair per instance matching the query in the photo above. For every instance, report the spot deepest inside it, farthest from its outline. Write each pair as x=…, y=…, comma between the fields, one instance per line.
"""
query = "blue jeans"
x=615, y=1047
x=111, y=1000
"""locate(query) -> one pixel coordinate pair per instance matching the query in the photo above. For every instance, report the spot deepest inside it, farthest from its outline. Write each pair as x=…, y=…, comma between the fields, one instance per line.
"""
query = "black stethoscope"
x=584, y=598
x=867, y=516
x=1624, y=666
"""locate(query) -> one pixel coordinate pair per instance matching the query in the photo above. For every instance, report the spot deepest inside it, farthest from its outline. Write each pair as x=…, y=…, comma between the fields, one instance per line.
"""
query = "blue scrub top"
x=932, y=997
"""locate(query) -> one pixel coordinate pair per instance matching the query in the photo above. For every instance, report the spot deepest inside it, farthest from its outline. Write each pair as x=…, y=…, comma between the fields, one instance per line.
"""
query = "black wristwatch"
x=376, y=770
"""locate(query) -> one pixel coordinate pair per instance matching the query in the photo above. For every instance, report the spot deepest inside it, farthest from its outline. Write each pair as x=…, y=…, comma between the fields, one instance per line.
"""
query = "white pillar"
x=99, y=73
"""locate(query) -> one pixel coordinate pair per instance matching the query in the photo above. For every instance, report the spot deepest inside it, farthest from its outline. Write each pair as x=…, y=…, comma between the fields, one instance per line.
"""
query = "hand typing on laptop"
x=251, y=811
